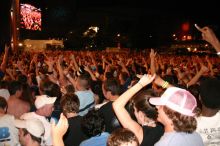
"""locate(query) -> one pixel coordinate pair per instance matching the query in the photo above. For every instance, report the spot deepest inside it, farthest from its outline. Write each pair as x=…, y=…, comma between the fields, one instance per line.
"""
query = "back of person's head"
x=210, y=93
x=70, y=103
x=113, y=86
x=84, y=81
x=93, y=123
x=22, y=79
x=44, y=100
x=172, y=79
x=124, y=76
x=179, y=105
x=109, y=75
x=96, y=87
x=33, y=79
x=3, y=84
x=3, y=103
x=51, y=89
x=194, y=90
x=70, y=89
x=141, y=102
x=122, y=137
x=27, y=94
x=100, y=69
x=1, y=75
x=14, y=86
x=181, y=123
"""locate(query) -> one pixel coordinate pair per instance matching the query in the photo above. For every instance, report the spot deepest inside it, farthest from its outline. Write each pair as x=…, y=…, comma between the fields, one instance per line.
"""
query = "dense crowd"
x=96, y=98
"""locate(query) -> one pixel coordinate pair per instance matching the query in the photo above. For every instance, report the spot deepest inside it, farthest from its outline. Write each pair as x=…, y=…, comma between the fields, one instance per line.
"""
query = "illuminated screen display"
x=30, y=17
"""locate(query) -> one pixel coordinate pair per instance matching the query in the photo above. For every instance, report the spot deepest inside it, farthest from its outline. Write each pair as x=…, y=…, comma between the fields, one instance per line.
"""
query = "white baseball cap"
x=179, y=100
x=43, y=100
x=4, y=93
x=33, y=126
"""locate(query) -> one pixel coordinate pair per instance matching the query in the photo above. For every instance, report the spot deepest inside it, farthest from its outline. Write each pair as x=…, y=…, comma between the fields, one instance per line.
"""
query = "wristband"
x=165, y=84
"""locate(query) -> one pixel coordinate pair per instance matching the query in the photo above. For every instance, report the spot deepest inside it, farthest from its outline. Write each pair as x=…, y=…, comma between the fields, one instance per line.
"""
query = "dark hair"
x=141, y=102
x=194, y=90
x=109, y=75
x=172, y=79
x=3, y=103
x=33, y=79
x=22, y=78
x=93, y=123
x=26, y=94
x=124, y=76
x=14, y=86
x=3, y=84
x=84, y=81
x=181, y=122
x=121, y=136
x=51, y=89
x=70, y=89
x=113, y=86
x=70, y=103
x=210, y=93
x=100, y=69
x=38, y=140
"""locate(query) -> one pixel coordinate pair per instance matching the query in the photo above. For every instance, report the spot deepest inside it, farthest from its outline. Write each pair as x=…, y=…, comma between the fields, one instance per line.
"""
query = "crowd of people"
x=95, y=98
x=30, y=17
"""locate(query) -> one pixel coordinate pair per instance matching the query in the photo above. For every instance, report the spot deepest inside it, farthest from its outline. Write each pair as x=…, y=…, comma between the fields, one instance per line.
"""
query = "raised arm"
x=195, y=79
x=76, y=66
x=87, y=68
x=152, y=62
x=122, y=114
x=59, y=130
x=5, y=59
x=209, y=36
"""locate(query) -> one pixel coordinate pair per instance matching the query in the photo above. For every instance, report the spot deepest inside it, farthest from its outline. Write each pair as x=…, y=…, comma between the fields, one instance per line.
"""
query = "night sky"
x=141, y=20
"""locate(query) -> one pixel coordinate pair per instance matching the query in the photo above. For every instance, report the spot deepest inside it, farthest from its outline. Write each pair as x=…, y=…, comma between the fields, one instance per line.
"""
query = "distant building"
x=41, y=45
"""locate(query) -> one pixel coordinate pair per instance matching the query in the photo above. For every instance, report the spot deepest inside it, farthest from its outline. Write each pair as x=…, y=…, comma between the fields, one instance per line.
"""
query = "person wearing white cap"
x=176, y=111
x=44, y=105
x=31, y=132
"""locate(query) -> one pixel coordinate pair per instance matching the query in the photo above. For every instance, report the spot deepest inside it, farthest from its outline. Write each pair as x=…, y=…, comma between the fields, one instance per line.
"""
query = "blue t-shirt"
x=86, y=100
x=180, y=139
x=100, y=140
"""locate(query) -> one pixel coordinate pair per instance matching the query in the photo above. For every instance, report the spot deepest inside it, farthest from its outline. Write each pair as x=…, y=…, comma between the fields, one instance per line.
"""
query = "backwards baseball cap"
x=177, y=99
x=33, y=126
x=43, y=100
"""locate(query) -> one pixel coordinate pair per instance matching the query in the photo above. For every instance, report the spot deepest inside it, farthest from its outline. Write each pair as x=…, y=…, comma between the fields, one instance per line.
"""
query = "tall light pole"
x=15, y=13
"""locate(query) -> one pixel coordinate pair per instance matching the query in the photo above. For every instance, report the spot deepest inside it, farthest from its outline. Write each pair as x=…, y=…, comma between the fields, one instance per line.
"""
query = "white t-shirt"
x=8, y=131
x=46, y=123
x=209, y=129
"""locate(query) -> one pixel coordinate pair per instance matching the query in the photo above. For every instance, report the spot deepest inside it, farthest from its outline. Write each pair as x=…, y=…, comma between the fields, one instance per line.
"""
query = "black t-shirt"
x=111, y=121
x=74, y=135
x=152, y=135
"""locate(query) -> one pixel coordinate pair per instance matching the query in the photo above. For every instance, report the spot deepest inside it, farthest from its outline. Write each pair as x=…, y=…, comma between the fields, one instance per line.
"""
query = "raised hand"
x=7, y=48
x=204, y=69
x=49, y=61
x=152, y=53
x=207, y=34
x=146, y=79
x=61, y=127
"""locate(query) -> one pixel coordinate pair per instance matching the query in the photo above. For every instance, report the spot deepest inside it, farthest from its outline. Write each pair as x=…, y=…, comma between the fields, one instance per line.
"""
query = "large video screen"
x=30, y=17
